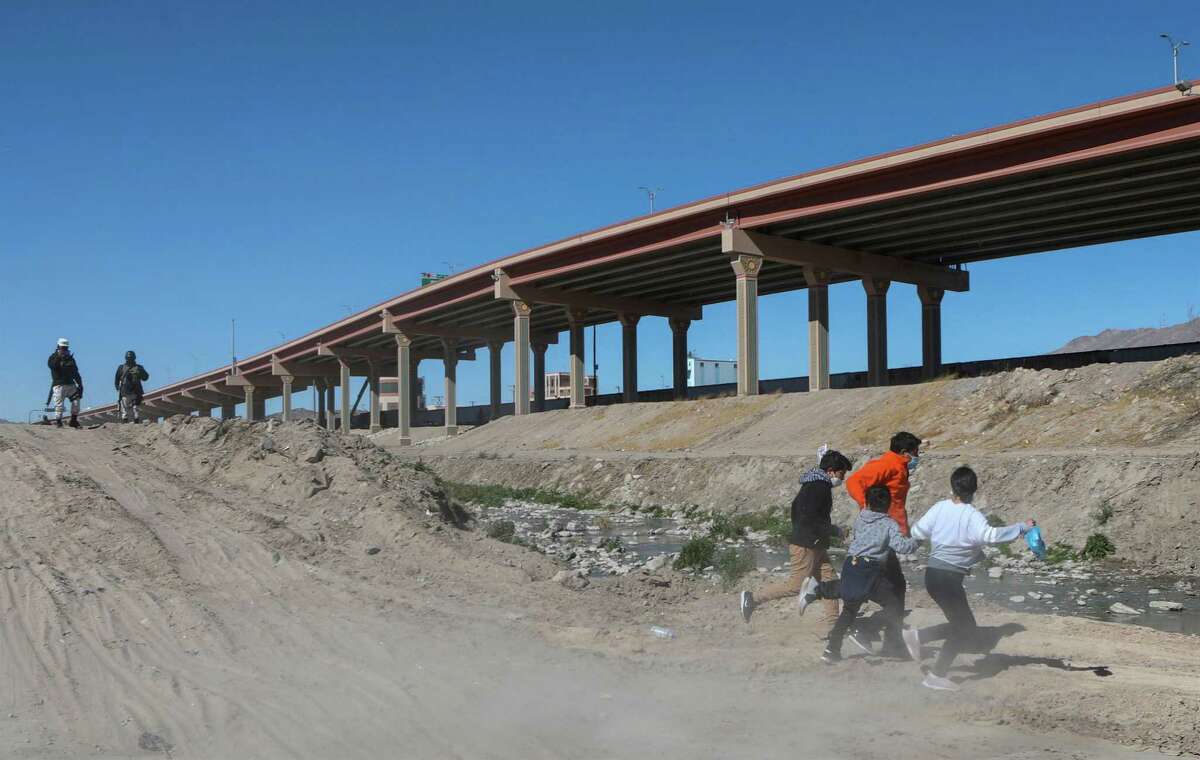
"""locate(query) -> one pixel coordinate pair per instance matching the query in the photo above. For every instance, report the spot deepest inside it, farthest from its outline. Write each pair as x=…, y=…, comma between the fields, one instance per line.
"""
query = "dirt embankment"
x=205, y=589
x=1108, y=448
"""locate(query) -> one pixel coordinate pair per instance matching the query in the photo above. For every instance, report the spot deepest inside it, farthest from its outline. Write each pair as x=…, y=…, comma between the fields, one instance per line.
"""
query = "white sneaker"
x=807, y=589
x=912, y=641
x=747, y=600
x=860, y=642
x=937, y=682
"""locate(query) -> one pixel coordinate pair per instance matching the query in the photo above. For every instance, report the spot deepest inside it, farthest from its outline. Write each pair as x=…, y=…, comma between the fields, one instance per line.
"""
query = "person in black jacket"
x=812, y=527
x=65, y=382
x=128, y=383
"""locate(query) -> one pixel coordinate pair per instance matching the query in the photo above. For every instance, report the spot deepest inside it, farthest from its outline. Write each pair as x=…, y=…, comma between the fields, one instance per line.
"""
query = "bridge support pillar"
x=330, y=406
x=251, y=405
x=346, y=392
x=495, y=397
x=539, y=376
x=521, y=312
x=286, y=414
x=931, y=330
x=679, y=349
x=575, y=330
x=450, y=365
x=319, y=385
x=373, y=383
x=204, y=411
x=818, y=328
x=877, y=349
x=629, y=380
x=406, y=387
x=228, y=411
x=747, y=269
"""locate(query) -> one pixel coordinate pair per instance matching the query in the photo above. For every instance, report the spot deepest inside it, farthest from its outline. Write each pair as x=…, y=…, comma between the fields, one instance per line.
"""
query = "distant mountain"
x=1186, y=332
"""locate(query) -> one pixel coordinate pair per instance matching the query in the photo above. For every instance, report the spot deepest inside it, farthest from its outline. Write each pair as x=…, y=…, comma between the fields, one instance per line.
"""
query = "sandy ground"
x=218, y=590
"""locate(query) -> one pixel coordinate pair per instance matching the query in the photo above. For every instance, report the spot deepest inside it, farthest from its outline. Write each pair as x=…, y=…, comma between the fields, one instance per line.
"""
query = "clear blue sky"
x=165, y=166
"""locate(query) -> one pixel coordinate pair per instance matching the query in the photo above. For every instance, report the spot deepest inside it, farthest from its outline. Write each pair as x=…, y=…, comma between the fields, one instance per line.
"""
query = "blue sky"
x=169, y=166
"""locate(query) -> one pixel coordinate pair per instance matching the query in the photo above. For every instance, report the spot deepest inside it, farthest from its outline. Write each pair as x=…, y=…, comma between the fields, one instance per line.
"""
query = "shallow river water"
x=1078, y=589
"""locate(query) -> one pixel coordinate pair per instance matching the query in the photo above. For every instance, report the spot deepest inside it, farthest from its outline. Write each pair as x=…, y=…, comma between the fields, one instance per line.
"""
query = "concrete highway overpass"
x=1115, y=170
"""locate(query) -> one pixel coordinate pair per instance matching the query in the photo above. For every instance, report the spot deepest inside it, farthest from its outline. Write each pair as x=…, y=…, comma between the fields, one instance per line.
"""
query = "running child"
x=863, y=577
x=957, y=533
x=812, y=528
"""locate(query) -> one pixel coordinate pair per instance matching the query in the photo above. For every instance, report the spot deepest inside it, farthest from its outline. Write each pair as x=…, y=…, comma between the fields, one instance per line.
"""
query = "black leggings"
x=960, y=630
x=888, y=618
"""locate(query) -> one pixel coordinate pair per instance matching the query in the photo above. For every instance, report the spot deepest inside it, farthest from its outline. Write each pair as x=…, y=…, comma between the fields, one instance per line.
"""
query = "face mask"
x=835, y=482
x=912, y=463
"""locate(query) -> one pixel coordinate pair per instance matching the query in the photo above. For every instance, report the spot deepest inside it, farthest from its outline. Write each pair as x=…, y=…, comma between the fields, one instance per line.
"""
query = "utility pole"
x=233, y=345
x=651, y=193
x=595, y=368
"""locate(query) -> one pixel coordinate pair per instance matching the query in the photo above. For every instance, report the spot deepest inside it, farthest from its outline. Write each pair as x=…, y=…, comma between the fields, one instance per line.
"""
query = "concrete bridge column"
x=818, y=328
x=539, y=376
x=319, y=384
x=414, y=396
x=260, y=407
x=286, y=415
x=405, y=386
x=204, y=411
x=373, y=381
x=747, y=269
x=679, y=331
x=228, y=411
x=521, y=312
x=347, y=394
x=629, y=380
x=931, y=330
x=495, y=399
x=575, y=329
x=251, y=405
x=330, y=406
x=450, y=363
x=877, y=360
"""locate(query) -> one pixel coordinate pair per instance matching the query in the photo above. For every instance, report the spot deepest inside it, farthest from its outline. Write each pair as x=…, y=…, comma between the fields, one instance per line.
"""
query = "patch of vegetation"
x=1098, y=546
x=697, y=553
x=1103, y=515
x=1005, y=550
x=1060, y=552
x=502, y=530
x=612, y=544
x=498, y=495
x=776, y=522
x=603, y=523
x=725, y=526
x=996, y=521
x=732, y=564
x=420, y=466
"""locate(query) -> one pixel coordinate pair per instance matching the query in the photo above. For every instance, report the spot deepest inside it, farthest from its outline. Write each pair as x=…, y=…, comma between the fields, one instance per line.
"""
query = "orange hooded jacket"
x=889, y=470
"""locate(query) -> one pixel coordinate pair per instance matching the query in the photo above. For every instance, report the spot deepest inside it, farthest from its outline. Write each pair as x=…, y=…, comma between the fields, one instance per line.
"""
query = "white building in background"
x=710, y=371
x=389, y=393
x=558, y=385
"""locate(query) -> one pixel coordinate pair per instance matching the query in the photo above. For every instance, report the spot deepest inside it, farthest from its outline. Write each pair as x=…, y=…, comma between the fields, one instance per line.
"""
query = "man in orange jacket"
x=890, y=470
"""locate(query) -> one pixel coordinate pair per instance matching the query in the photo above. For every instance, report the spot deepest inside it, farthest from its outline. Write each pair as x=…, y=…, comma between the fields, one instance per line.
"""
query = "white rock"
x=1123, y=609
x=1168, y=606
x=658, y=563
x=1081, y=602
x=1153, y=591
x=1016, y=599
x=995, y=572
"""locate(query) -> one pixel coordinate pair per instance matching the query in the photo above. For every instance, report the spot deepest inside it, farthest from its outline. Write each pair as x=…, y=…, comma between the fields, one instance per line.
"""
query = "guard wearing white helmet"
x=65, y=381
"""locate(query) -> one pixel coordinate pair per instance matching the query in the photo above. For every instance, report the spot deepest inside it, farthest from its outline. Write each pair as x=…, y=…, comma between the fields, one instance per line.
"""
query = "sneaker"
x=937, y=682
x=74, y=422
x=58, y=423
x=830, y=657
x=808, y=593
x=912, y=641
x=747, y=605
x=861, y=642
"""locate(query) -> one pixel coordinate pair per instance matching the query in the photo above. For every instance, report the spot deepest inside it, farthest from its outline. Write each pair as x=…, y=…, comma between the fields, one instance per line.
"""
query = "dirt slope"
x=212, y=590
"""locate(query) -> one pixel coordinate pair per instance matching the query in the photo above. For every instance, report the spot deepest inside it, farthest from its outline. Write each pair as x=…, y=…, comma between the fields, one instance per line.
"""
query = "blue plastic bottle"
x=1036, y=545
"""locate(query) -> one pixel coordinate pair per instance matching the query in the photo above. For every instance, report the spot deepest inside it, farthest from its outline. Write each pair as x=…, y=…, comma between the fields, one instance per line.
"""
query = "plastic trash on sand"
x=1034, y=540
x=661, y=632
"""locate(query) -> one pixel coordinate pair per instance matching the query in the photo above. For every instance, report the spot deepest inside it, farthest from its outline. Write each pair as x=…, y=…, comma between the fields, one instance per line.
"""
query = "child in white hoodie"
x=957, y=533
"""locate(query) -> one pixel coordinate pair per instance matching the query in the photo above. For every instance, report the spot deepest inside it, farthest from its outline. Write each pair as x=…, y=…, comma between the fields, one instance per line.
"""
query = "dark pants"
x=960, y=630
x=893, y=573
x=883, y=594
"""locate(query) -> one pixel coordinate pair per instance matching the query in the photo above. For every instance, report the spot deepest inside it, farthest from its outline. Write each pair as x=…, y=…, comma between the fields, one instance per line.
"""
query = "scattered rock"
x=373, y=550
x=995, y=572
x=1016, y=599
x=1167, y=606
x=1123, y=609
x=656, y=564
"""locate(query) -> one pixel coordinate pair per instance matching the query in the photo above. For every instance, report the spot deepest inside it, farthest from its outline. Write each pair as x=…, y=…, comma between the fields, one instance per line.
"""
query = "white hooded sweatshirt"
x=957, y=533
